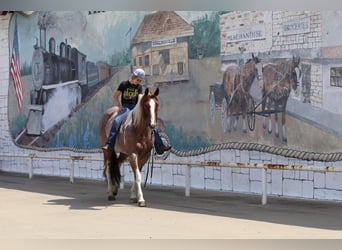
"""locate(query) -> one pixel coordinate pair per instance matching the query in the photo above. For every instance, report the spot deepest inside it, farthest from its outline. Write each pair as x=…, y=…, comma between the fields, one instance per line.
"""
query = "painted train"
x=68, y=69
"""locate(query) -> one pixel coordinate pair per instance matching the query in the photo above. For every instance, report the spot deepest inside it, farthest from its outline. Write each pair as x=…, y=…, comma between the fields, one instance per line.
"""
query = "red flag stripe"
x=15, y=69
x=17, y=81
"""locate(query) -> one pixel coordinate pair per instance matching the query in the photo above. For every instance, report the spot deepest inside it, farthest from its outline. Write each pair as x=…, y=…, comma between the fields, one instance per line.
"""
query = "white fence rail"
x=188, y=164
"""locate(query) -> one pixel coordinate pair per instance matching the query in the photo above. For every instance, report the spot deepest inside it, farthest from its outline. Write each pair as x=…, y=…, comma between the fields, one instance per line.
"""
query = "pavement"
x=53, y=208
x=323, y=119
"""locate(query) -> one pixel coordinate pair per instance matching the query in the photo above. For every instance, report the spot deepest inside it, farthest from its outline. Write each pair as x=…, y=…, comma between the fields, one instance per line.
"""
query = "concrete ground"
x=54, y=208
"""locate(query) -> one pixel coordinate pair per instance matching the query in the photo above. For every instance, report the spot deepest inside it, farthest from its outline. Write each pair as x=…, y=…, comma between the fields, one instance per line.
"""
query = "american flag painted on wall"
x=15, y=69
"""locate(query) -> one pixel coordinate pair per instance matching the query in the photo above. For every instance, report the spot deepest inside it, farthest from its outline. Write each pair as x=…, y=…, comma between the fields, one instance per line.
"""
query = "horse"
x=134, y=141
x=278, y=80
x=237, y=82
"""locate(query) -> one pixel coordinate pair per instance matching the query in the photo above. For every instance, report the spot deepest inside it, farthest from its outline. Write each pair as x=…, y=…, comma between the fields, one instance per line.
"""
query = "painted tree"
x=206, y=39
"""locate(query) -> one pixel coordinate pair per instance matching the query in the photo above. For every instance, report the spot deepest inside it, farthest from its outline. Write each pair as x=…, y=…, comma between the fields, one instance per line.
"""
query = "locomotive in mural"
x=69, y=70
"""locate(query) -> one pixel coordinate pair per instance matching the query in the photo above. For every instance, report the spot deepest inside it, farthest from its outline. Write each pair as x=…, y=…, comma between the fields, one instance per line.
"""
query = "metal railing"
x=188, y=164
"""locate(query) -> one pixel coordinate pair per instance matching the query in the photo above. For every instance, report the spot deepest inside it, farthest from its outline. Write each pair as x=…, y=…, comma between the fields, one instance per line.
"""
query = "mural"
x=254, y=77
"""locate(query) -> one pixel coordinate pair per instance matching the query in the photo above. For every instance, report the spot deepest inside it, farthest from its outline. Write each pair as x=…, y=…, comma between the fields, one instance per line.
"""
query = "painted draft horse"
x=134, y=141
x=237, y=82
x=278, y=80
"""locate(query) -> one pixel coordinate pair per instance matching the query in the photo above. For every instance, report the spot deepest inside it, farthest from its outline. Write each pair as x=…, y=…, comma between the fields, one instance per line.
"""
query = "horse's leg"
x=244, y=122
x=269, y=101
x=235, y=119
x=229, y=118
x=244, y=114
x=226, y=114
x=133, y=197
x=244, y=126
x=115, y=188
x=283, y=121
x=110, y=194
x=229, y=122
x=107, y=161
x=140, y=196
x=133, y=159
x=234, y=113
x=112, y=172
x=276, y=125
x=263, y=108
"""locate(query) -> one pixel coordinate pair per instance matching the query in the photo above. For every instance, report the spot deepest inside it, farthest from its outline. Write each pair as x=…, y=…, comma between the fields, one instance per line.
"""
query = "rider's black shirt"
x=129, y=94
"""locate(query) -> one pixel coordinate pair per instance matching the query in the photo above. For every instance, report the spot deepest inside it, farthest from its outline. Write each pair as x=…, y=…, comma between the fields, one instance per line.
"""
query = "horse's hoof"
x=133, y=200
x=142, y=204
x=111, y=198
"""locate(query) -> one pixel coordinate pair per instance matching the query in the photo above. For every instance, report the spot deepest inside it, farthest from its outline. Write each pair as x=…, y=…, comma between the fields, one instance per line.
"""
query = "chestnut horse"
x=134, y=141
x=279, y=79
x=237, y=82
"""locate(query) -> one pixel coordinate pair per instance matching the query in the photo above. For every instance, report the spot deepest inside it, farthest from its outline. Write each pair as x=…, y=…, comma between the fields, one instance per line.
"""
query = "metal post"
x=122, y=171
x=264, y=186
x=187, y=180
x=30, y=167
x=72, y=169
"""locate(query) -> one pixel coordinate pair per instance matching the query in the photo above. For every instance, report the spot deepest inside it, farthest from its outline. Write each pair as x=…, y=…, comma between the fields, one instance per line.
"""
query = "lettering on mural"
x=254, y=32
x=95, y=12
x=297, y=27
x=164, y=42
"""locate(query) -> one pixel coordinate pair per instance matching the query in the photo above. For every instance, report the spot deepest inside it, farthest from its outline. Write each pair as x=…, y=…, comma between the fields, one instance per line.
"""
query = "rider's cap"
x=140, y=73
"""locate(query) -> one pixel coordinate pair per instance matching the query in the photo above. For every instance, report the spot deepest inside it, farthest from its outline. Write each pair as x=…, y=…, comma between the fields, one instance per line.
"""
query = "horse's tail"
x=112, y=162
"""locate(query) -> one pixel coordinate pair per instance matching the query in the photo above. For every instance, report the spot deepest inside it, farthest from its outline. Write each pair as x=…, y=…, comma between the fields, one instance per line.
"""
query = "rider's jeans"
x=116, y=122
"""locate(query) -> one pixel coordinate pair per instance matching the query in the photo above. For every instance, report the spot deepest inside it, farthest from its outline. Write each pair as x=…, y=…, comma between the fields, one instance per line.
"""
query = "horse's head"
x=295, y=72
x=149, y=104
x=258, y=67
x=253, y=68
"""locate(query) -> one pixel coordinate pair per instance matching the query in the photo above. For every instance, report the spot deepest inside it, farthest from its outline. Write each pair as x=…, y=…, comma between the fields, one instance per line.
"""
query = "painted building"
x=275, y=35
x=160, y=47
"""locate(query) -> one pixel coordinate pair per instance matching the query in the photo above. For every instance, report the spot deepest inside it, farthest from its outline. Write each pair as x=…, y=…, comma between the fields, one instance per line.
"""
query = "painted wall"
x=303, y=184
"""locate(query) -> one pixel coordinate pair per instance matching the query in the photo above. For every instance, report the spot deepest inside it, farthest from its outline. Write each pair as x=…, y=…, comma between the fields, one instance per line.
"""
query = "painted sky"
x=97, y=35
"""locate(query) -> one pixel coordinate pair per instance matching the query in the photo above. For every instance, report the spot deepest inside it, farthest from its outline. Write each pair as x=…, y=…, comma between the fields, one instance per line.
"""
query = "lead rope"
x=148, y=165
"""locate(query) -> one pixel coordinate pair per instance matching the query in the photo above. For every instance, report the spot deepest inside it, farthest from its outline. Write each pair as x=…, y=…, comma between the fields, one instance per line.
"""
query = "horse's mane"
x=135, y=115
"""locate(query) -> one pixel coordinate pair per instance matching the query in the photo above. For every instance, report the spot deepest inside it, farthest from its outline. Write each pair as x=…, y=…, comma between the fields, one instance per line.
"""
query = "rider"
x=130, y=91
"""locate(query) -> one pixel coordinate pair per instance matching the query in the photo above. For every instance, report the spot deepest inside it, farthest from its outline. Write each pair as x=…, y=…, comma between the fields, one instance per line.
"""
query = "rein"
x=148, y=163
x=148, y=169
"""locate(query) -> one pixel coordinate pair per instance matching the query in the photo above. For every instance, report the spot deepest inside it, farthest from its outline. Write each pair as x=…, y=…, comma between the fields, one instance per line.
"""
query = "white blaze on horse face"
x=153, y=121
x=259, y=72
x=298, y=74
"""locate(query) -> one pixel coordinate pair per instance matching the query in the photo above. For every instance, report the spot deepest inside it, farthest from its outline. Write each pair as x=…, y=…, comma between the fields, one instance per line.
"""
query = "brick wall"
x=312, y=39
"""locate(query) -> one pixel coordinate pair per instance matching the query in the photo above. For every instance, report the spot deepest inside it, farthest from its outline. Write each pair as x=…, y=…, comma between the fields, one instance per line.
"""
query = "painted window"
x=336, y=76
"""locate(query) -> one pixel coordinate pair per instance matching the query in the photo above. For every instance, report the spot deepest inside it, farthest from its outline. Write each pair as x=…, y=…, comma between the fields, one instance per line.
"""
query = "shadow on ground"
x=91, y=195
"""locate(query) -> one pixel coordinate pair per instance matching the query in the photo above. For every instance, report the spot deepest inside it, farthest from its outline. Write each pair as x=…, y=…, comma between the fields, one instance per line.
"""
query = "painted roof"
x=162, y=24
